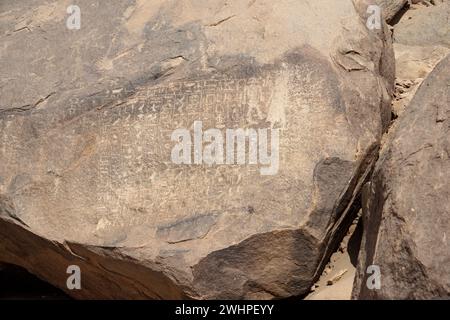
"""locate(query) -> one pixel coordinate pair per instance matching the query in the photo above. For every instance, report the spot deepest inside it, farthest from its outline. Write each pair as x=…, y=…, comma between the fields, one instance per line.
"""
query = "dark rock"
x=407, y=203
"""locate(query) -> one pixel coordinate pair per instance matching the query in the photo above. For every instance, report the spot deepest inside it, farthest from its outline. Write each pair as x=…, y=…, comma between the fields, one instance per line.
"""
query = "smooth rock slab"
x=86, y=119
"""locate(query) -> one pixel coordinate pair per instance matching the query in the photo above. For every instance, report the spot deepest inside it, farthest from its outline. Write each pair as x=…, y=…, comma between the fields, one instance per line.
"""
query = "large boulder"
x=90, y=174
x=406, y=215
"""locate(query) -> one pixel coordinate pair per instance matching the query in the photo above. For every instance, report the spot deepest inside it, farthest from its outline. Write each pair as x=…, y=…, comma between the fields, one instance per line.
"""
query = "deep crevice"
x=399, y=15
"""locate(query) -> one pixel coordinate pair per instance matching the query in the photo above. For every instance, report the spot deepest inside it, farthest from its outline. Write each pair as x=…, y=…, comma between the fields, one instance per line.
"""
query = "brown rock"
x=425, y=25
x=420, y=43
x=86, y=119
x=390, y=8
x=407, y=203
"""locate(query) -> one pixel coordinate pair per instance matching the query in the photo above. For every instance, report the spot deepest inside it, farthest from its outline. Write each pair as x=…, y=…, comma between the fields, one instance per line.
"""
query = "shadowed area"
x=18, y=284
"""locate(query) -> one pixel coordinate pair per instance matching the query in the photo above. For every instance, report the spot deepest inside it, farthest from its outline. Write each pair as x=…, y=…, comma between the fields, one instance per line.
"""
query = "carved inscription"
x=137, y=181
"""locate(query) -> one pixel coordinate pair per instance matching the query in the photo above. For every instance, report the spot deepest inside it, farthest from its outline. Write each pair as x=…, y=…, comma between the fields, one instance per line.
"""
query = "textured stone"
x=406, y=215
x=425, y=25
x=86, y=118
x=413, y=64
x=421, y=41
x=390, y=8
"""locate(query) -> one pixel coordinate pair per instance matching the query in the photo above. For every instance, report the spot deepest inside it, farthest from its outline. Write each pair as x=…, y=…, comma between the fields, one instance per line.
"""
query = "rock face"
x=421, y=40
x=407, y=210
x=391, y=7
x=425, y=25
x=87, y=124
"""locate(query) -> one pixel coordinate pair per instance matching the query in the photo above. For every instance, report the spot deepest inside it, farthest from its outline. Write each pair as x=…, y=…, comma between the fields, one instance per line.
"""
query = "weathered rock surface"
x=407, y=203
x=391, y=7
x=86, y=118
x=413, y=64
x=425, y=25
x=421, y=40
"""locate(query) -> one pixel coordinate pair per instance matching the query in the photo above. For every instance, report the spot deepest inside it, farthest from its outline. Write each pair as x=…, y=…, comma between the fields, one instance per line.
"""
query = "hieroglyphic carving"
x=134, y=156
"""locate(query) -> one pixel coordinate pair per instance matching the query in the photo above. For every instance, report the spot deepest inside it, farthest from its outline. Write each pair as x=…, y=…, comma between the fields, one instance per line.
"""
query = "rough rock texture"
x=86, y=118
x=425, y=25
x=421, y=40
x=407, y=210
x=414, y=63
x=391, y=7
